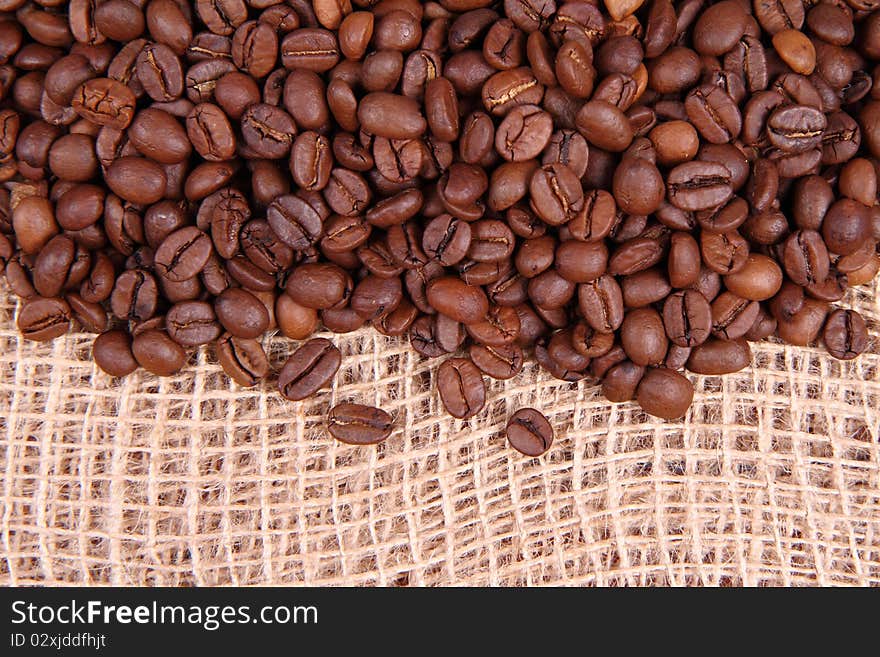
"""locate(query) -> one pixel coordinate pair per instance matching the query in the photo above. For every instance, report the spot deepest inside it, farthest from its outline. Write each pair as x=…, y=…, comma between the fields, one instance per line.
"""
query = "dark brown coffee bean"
x=320, y=286
x=391, y=116
x=698, y=185
x=135, y=295
x=311, y=161
x=507, y=89
x=210, y=132
x=296, y=223
x=268, y=130
x=423, y=339
x=42, y=319
x=192, y=323
x=732, y=316
x=453, y=297
x=758, y=280
x=529, y=432
x=136, y=179
x=104, y=101
x=803, y=327
x=687, y=318
x=499, y=327
x=664, y=393
x=499, y=361
x=309, y=368
x=805, y=257
x=714, y=114
x=720, y=357
x=724, y=253
x=357, y=424
x=461, y=388
x=447, y=239
x=112, y=353
x=523, y=133
x=347, y=193
x=845, y=334
x=243, y=360
x=241, y=313
x=846, y=227
x=621, y=381
x=556, y=194
x=643, y=337
x=183, y=254
x=601, y=303
x=157, y=353
x=605, y=126
x=160, y=72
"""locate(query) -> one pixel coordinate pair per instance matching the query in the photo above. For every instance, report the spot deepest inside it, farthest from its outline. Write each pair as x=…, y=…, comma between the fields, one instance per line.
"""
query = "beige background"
x=773, y=479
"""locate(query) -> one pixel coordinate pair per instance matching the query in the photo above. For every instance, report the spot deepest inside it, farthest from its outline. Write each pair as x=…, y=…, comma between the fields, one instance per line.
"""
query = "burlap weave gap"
x=774, y=479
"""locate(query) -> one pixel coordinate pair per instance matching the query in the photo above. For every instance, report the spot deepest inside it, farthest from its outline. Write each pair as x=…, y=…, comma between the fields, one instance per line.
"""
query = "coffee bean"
x=112, y=353
x=461, y=388
x=104, y=101
x=720, y=356
x=135, y=295
x=309, y=368
x=664, y=393
x=241, y=313
x=157, y=353
x=243, y=360
x=42, y=319
x=732, y=316
x=845, y=334
x=698, y=185
x=191, y=323
x=357, y=424
x=805, y=257
x=687, y=318
x=529, y=432
x=453, y=297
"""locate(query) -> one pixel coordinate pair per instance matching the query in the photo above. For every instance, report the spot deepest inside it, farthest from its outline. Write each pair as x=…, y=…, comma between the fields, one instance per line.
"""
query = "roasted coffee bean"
x=699, y=185
x=499, y=362
x=724, y=253
x=732, y=316
x=104, y=101
x=453, y=297
x=803, y=327
x=135, y=295
x=664, y=393
x=601, y=303
x=621, y=381
x=160, y=72
x=309, y=368
x=714, y=114
x=268, y=131
x=720, y=356
x=687, y=318
x=319, y=286
x=529, y=432
x=191, y=323
x=805, y=257
x=112, y=353
x=461, y=388
x=758, y=280
x=845, y=334
x=42, y=319
x=357, y=424
x=243, y=360
x=183, y=254
x=157, y=353
x=241, y=313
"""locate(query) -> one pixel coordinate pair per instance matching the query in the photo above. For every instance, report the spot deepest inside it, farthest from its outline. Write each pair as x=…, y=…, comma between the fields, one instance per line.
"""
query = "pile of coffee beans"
x=620, y=189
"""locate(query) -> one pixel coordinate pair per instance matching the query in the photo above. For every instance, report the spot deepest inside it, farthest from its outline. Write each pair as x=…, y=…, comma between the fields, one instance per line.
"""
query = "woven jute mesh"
x=772, y=479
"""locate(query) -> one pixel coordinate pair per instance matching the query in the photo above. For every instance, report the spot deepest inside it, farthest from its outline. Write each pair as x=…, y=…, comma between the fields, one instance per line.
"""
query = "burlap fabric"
x=773, y=479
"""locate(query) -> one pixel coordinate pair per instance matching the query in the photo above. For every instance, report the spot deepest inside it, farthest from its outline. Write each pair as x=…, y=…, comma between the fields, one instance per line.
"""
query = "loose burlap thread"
x=772, y=479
